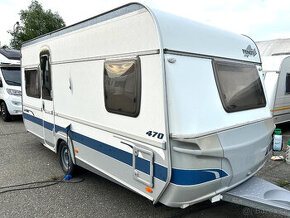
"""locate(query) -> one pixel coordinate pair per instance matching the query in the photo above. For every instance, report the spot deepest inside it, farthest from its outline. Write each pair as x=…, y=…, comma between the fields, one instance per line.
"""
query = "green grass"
x=53, y=178
x=283, y=183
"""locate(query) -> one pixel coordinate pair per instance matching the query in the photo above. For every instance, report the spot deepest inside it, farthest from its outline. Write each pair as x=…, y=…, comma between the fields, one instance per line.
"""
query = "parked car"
x=10, y=84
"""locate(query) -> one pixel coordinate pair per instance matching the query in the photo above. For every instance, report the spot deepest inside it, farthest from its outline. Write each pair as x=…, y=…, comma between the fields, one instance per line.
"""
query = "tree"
x=34, y=22
x=4, y=47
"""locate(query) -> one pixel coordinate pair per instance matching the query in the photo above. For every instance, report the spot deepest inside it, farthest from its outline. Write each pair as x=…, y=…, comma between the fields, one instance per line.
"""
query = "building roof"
x=274, y=47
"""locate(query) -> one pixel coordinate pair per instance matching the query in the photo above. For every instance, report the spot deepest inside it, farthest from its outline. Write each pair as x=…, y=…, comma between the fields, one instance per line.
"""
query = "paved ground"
x=23, y=159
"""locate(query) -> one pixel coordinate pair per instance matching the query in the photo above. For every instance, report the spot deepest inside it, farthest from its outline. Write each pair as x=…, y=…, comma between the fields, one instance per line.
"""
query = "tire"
x=4, y=112
x=65, y=159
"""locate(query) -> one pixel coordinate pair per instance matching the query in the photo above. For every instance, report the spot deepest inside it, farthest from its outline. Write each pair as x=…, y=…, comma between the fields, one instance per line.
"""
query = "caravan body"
x=167, y=107
x=276, y=70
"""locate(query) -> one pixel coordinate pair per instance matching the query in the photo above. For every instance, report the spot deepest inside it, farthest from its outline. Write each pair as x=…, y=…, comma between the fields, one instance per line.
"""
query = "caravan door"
x=47, y=98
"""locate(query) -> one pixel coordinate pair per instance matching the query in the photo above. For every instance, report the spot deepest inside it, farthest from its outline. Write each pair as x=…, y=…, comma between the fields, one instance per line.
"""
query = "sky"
x=259, y=19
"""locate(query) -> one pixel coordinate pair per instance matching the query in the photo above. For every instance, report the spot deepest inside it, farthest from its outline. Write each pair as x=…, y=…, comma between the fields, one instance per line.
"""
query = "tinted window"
x=32, y=83
x=12, y=75
x=122, y=87
x=239, y=86
x=288, y=83
x=46, y=76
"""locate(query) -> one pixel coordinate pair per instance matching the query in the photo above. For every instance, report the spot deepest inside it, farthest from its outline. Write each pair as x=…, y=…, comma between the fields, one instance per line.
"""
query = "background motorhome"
x=10, y=84
x=174, y=111
x=276, y=70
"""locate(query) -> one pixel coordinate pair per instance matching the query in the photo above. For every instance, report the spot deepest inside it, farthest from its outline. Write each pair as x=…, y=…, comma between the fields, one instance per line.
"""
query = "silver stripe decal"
x=173, y=52
x=104, y=57
x=179, y=137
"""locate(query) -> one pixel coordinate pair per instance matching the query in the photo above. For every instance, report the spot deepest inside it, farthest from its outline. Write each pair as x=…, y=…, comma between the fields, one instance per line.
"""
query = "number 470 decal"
x=155, y=134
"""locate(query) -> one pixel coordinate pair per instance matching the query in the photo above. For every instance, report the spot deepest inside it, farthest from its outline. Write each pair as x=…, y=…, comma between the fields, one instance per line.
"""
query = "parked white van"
x=276, y=70
x=169, y=108
x=10, y=84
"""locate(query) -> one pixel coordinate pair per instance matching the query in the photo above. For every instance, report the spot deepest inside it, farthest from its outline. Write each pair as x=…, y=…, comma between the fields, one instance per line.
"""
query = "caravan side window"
x=288, y=83
x=45, y=75
x=122, y=86
x=239, y=85
x=32, y=83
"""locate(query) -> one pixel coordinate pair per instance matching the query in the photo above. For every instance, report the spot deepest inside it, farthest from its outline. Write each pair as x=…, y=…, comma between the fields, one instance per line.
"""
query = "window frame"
x=39, y=84
x=287, y=75
x=217, y=81
x=42, y=54
x=138, y=86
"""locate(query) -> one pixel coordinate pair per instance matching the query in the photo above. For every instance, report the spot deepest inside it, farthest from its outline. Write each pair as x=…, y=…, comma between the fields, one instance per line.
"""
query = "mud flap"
x=260, y=194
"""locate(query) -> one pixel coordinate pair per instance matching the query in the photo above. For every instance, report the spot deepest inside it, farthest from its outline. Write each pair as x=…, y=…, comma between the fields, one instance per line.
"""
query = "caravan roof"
x=178, y=34
x=10, y=54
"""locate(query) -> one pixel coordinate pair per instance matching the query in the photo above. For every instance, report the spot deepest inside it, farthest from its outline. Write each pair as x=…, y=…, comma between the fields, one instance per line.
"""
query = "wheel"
x=4, y=112
x=65, y=159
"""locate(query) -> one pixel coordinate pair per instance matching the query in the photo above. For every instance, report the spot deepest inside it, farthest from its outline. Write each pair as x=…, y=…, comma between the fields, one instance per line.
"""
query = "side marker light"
x=148, y=189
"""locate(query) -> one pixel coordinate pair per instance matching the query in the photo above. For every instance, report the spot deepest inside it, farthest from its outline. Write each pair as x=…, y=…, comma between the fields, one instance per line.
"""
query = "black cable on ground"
x=36, y=187
x=29, y=183
x=27, y=188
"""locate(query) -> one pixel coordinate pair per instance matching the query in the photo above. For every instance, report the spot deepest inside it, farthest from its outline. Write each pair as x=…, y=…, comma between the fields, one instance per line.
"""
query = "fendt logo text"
x=249, y=51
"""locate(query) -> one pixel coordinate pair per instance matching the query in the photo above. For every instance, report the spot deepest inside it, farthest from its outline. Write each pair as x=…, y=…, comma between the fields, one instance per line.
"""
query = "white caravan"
x=276, y=70
x=10, y=84
x=169, y=108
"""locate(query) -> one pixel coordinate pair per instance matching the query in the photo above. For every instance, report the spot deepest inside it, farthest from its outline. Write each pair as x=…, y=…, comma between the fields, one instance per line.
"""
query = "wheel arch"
x=62, y=137
x=58, y=143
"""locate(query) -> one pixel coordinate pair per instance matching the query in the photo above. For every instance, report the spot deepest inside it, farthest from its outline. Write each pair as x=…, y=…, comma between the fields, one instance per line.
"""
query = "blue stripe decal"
x=32, y=119
x=179, y=176
x=194, y=177
x=58, y=128
x=48, y=125
x=120, y=155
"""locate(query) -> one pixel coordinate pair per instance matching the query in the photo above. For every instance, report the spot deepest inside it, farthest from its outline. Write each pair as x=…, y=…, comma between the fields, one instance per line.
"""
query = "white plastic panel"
x=181, y=34
x=133, y=32
x=85, y=99
x=195, y=107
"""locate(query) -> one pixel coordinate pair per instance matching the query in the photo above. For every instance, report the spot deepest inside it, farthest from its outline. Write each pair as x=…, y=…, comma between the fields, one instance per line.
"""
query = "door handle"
x=43, y=108
x=28, y=111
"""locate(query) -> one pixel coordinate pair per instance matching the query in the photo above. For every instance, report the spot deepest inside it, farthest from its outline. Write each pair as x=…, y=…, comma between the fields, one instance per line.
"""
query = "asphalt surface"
x=24, y=160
